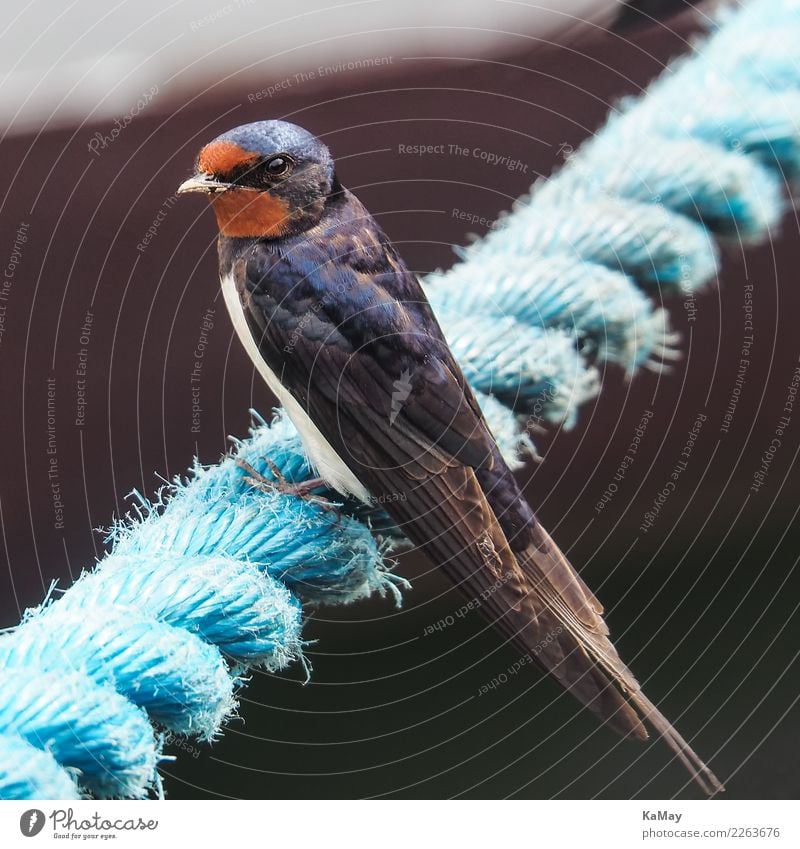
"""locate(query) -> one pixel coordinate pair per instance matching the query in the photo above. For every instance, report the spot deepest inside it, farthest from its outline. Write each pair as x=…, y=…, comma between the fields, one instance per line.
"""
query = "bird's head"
x=265, y=180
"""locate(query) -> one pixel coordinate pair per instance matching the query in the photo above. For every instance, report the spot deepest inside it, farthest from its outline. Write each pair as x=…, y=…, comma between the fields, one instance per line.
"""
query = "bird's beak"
x=202, y=183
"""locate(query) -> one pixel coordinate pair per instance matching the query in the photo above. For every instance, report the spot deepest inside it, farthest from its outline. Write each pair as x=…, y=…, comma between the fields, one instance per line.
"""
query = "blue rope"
x=207, y=581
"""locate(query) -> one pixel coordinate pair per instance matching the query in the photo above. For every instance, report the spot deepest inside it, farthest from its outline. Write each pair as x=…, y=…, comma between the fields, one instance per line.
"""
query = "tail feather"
x=702, y=775
x=528, y=588
x=544, y=638
x=585, y=662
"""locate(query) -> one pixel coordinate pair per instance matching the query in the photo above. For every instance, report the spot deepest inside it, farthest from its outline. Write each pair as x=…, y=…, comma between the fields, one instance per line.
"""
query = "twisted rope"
x=207, y=581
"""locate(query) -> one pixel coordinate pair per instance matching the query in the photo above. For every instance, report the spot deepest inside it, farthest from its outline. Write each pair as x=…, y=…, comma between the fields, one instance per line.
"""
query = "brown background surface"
x=704, y=605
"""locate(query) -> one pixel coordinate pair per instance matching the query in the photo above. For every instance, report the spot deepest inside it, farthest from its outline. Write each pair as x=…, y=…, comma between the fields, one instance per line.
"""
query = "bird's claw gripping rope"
x=278, y=483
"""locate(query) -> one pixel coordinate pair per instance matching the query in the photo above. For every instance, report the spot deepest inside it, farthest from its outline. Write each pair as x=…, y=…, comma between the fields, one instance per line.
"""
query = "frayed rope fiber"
x=206, y=582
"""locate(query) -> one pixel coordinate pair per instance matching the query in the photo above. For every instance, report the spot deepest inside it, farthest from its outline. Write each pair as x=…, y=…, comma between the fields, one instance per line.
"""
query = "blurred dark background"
x=703, y=605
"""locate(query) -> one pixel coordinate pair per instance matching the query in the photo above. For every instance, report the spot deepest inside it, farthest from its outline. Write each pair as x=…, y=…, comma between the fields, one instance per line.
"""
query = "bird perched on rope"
x=343, y=335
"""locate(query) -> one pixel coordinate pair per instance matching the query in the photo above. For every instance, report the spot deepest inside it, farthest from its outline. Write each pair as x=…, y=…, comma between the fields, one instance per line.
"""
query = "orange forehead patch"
x=223, y=156
x=246, y=213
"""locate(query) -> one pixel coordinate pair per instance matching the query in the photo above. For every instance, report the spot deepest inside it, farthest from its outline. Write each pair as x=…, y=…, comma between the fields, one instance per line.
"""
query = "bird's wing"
x=382, y=387
x=377, y=377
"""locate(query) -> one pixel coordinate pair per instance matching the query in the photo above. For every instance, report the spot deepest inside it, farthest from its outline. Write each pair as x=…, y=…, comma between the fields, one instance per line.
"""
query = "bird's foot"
x=303, y=490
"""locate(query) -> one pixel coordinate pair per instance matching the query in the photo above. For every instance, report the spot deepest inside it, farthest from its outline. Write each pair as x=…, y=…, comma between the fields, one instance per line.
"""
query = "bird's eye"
x=277, y=165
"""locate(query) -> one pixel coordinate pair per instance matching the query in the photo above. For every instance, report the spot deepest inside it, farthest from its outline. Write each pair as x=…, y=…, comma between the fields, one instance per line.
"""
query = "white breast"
x=327, y=463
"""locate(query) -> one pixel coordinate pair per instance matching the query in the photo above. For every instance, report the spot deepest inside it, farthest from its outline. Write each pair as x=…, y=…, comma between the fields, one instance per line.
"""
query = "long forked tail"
x=558, y=621
x=588, y=666
x=531, y=593
x=704, y=777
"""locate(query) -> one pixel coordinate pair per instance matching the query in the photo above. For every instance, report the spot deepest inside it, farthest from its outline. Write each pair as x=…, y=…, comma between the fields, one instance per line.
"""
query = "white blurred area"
x=66, y=64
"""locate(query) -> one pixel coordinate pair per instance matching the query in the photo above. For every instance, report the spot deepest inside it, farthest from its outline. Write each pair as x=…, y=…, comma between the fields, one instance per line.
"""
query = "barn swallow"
x=341, y=332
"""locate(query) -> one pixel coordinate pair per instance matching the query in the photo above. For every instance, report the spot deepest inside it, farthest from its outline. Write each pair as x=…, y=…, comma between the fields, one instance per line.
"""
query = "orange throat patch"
x=246, y=213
